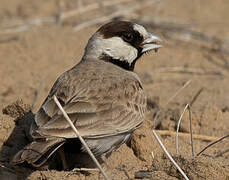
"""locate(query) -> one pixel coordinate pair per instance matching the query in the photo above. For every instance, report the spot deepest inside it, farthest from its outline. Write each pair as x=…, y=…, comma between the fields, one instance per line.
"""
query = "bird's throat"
x=121, y=63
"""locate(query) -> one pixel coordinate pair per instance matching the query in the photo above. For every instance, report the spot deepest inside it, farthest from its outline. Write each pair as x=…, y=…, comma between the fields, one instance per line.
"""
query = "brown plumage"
x=102, y=96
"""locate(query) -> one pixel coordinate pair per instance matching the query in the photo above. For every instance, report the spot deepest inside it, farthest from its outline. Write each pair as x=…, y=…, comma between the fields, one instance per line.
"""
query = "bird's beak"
x=152, y=42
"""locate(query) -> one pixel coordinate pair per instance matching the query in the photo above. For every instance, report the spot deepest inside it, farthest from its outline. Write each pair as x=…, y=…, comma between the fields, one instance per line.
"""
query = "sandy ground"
x=32, y=60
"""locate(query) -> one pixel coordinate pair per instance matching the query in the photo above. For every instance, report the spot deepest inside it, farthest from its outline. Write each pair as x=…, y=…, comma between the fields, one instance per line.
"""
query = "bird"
x=102, y=95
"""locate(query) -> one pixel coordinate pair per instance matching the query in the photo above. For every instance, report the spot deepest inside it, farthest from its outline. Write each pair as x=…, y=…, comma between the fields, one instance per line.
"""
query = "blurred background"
x=41, y=39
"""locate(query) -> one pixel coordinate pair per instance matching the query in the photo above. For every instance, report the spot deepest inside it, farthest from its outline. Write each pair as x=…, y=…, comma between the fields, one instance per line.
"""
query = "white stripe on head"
x=141, y=30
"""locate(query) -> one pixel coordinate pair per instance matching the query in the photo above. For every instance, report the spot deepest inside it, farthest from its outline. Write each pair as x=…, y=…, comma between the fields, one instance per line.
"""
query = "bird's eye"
x=128, y=37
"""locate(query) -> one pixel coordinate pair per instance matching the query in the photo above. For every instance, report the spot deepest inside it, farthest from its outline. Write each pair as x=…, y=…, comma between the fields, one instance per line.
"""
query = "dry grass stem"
x=196, y=96
x=188, y=71
x=103, y=19
x=34, y=21
x=171, y=98
x=80, y=137
x=180, y=31
x=177, y=92
x=190, y=125
x=211, y=144
x=90, y=7
x=215, y=61
x=152, y=154
x=169, y=156
x=85, y=169
x=186, y=135
x=15, y=26
x=178, y=126
x=15, y=30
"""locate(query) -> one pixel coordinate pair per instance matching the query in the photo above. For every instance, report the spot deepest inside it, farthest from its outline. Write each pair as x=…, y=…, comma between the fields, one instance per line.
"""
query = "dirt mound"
x=141, y=159
x=17, y=109
x=194, y=168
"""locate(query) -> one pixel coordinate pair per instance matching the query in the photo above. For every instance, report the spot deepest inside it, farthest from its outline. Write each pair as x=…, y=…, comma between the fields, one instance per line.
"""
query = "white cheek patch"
x=118, y=49
x=114, y=47
x=141, y=30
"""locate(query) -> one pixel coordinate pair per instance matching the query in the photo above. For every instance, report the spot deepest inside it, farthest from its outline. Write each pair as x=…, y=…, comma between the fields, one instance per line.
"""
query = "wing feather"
x=99, y=107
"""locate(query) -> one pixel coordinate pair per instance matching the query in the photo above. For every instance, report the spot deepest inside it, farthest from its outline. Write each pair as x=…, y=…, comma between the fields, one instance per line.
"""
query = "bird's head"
x=121, y=43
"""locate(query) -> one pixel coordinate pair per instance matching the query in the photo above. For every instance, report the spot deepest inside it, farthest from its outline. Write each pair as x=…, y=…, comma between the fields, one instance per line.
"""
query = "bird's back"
x=100, y=98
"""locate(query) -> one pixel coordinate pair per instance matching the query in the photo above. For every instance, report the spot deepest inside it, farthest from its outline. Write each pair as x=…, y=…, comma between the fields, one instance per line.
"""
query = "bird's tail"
x=38, y=152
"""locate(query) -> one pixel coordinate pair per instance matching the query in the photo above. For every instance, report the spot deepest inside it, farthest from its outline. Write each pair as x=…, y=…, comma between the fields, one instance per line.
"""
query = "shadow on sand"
x=20, y=137
x=16, y=141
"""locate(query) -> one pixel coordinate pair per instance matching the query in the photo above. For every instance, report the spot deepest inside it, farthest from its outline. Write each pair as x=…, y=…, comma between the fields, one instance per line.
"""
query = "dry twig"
x=186, y=135
x=209, y=145
x=179, y=31
x=177, y=92
x=188, y=71
x=15, y=26
x=190, y=125
x=178, y=126
x=190, y=122
x=85, y=169
x=213, y=61
x=169, y=156
x=80, y=137
x=171, y=98
x=90, y=7
x=34, y=21
x=196, y=96
x=111, y=16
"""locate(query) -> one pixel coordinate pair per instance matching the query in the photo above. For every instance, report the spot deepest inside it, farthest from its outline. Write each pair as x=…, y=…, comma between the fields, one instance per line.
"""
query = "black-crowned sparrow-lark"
x=101, y=94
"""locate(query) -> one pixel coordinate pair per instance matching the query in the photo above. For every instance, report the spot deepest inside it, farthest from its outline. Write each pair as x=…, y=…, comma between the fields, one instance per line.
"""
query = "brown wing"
x=37, y=152
x=99, y=104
